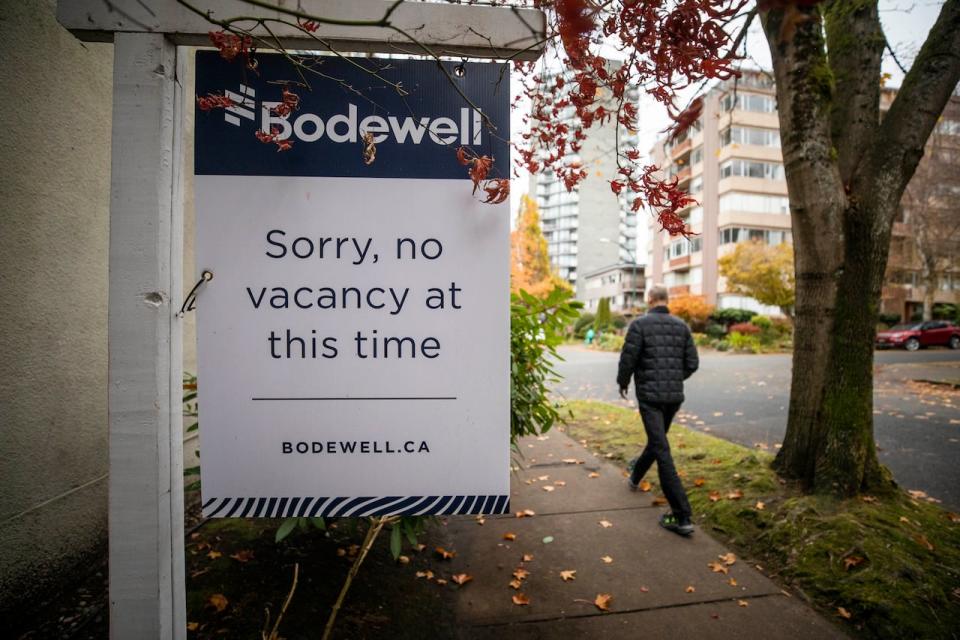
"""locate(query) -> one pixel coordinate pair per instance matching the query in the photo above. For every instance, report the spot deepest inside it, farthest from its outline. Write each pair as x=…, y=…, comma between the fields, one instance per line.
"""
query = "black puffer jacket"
x=659, y=353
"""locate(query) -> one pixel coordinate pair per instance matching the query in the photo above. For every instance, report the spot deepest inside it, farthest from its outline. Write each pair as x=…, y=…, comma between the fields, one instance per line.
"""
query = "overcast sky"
x=905, y=22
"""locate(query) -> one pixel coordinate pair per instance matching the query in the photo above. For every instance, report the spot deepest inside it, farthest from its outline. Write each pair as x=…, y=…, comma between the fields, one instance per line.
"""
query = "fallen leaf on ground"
x=606, y=524
x=916, y=493
x=593, y=474
x=520, y=573
x=852, y=561
x=481, y=520
x=509, y=536
x=193, y=626
x=717, y=567
x=607, y=559
x=403, y=559
x=440, y=581
x=571, y=461
x=444, y=554
x=714, y=496
x=548, y=539
x=462, y=578
x=520, y=600
x=843, y=613
x=526, y=513
x=728, y=559
x=568, y=575
x=548, y=487
x=213, y=555
x=760, y=506
x=516, y=584
x=644, y=589
x=659, y=501
x=690, y=589
x=197, y=574
x=420, y=547
x=425, y=574
x=922, y=540
x=742, y=603
x=645, y=486
x=528, y=557
x=218, y=601
x=732, y=582
x=868, y=500
x=560, y=483
x=603, y=601
x=954, y=517
x=244, y=555
x=735, y=495
x=542, y=478
x=698, y=482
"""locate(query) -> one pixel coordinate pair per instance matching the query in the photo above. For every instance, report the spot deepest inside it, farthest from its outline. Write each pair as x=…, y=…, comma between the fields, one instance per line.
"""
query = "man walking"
x=660, y=354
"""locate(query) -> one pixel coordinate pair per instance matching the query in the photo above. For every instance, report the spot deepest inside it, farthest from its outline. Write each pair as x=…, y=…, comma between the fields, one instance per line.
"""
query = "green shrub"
x=602, y=321
x=609, y=342
x=584, y=322
x=743, y=342
x=716, y=331
x=889, y=319
x=618, y=321
x=722, y=345
x=761, y=321
x=701, y=339
x=727, y=317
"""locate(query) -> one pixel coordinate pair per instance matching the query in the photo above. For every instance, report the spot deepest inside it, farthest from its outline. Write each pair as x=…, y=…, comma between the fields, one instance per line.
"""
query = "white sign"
x=354, y=341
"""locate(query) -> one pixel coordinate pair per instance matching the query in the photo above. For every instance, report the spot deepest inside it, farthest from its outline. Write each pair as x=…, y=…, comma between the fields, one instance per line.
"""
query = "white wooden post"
x=146, y=230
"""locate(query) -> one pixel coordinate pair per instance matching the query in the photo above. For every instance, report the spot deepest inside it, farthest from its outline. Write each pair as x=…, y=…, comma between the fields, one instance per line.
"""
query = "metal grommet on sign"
x=190, y=303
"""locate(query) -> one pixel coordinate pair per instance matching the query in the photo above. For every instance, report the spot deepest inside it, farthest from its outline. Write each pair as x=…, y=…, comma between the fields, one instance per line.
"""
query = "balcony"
x=676, y=263
x=681, y=148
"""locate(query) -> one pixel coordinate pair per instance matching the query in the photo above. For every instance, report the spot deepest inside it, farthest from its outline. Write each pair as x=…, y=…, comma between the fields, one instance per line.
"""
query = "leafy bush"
x=727, y=317
x=602, y=321
x=742, y=342
x=763, y=322
x=722, y=345
x=618, y=321
x=889, y=319
x=745, y=328
x=609, y=342
x=694, y=310
x=536, y=329
x=701, y=339
x=584, y=322
x=716, y=331
x=783, y=327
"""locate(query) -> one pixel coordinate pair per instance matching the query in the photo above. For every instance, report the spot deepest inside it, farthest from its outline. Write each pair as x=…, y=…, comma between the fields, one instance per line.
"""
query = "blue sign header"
x=416, y=135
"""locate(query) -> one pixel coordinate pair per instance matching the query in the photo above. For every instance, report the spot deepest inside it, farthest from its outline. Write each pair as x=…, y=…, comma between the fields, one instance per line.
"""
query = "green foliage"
x=945, y=311
x=536, y=329
x=722, y=345
x=406, y=529
x=743, y=342
x=289, y=525
x=609, y=342
x=602, y=321
x=727, y=317
x=889, y=319
x=701, y=339
x=618, y=321
x=716, y=331
x=584, y=322
x=763, y=322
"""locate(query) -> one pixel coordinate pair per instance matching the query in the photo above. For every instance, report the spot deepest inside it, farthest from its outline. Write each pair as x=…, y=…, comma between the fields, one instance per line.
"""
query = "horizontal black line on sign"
x=364, y=398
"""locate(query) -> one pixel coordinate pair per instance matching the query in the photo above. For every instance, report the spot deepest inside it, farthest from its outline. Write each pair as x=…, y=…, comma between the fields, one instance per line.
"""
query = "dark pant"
x=656, y=422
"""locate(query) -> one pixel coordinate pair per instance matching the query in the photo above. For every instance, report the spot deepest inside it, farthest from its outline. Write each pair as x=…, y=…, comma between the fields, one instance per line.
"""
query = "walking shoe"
x=633, y=487
x=670, y=522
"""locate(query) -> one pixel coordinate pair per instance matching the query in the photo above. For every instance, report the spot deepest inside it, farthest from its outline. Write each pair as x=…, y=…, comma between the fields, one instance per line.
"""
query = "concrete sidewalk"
x=661, y=584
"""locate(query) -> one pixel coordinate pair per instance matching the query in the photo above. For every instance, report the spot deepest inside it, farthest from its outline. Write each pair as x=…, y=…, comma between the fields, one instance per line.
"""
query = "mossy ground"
x=892, y=563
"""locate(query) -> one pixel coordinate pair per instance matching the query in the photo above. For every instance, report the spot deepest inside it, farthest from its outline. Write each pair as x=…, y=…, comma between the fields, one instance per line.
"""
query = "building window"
x=750, y=135
x=731, y=235
x=696, y=156
x=696, y=185
x=754, y=203
x=752, y=169
x=749, y=102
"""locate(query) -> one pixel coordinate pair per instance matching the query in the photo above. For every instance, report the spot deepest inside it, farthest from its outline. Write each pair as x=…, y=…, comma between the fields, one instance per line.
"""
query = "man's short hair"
x=658, y=293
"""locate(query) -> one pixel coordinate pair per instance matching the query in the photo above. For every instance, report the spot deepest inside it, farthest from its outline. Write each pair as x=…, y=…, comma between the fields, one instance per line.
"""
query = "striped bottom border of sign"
x=354, y=507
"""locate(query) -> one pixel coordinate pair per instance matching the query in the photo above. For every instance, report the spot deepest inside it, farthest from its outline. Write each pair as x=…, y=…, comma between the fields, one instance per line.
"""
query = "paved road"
x=744, y=398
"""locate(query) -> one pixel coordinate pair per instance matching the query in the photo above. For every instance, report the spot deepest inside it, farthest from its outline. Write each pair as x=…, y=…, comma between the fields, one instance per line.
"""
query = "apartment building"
x=730, y=161
x=589, y=228
x=622, y=284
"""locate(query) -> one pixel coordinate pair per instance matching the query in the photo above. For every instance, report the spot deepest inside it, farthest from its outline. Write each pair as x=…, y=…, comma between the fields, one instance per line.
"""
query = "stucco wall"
x=54, y=193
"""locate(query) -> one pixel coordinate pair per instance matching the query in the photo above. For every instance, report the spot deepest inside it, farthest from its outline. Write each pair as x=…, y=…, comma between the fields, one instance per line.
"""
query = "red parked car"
x=913, y=335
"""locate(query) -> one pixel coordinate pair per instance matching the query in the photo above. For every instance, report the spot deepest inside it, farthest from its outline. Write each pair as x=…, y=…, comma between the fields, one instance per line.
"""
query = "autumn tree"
x=847, y=166
x=530, y=267
x=763, y=272
x=694, y=310
x=932, y=212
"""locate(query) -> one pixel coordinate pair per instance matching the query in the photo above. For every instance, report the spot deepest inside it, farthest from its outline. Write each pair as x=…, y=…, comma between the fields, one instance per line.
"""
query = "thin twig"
x=275, y=632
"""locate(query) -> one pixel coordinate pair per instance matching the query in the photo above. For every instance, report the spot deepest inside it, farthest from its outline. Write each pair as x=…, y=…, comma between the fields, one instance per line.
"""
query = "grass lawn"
x=892, y=564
